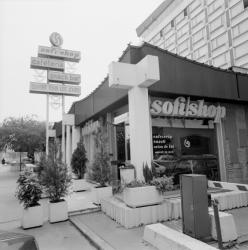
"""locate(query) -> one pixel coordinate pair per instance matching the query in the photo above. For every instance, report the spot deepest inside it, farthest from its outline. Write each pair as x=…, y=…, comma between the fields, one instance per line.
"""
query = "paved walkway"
x=116, y=236
x=58, y=236
x=10, y=210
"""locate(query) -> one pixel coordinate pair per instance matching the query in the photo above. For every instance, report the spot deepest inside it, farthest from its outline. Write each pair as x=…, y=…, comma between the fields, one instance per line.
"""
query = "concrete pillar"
x=68, y=146
x=69, y=121
x=63, y=143
x=140, y=136
x=221, y=152
x=75, y=137
x=137, y=78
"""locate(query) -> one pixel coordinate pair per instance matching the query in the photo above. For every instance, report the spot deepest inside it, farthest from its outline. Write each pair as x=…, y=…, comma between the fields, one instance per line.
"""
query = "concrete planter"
x=101, y=193
x=141, y=196
x=32, y=217
x=58, y=211
x=80, y=185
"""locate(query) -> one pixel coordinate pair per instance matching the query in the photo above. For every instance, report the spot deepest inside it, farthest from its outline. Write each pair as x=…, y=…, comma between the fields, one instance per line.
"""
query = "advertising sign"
x=47, y=63
x=57, y=89
x=64, y=54
x=55, y=76
x=184, y=107
x=162, y=144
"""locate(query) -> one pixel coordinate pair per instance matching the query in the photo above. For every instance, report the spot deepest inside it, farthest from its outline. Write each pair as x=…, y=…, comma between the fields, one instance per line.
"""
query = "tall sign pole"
x=52, y=59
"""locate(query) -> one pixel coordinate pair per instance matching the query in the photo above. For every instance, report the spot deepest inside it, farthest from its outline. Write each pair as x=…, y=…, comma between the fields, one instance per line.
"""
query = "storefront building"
x=162, y=108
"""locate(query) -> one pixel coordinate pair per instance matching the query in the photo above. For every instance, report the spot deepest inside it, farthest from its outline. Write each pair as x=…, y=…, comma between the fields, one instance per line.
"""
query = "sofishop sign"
x=57, y=89
x=182, y=107
x=67, y=55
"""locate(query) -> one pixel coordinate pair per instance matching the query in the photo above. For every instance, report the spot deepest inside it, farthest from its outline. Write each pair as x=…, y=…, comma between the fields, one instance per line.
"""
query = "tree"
x=23, y=134
x=101, y=165
x=79, y=159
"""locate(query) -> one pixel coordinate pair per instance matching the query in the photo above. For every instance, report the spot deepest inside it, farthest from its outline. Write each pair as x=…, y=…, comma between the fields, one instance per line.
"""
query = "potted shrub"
x=29, y=193
x=56, y=180
x=100, y=171
x=163, y=184
x=139, y=193
x=78, y=164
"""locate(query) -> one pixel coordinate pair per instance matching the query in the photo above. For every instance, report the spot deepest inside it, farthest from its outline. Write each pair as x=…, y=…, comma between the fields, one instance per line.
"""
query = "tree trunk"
x=20, y=161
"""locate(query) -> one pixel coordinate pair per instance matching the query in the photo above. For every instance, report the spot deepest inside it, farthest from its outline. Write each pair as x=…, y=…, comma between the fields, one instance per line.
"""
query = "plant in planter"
x=139, y=193
x=78, y=163
x=163, y=184
x=100, y=171
x=29, y=193
x=56, y=180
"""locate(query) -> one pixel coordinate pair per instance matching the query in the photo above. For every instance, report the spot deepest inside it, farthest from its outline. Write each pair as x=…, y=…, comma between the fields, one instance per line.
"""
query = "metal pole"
x=47, y=124
x=217, y=223
x=63, y=130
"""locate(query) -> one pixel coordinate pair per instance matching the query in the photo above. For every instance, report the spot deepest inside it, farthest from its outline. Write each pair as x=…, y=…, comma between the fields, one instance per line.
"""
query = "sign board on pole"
x=55, y=76
x=47, y=63
x=56, y=89
x=64, y=54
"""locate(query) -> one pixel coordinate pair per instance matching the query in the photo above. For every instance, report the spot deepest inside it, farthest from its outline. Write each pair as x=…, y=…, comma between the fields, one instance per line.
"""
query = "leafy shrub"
x=163, y=184
x=28, y=190
x=55, y=177
x=147, y=173
x=79, y=159
x=100, y=171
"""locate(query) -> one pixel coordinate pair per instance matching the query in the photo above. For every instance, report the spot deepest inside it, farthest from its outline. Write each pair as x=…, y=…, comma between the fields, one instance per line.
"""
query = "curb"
x=94, y=239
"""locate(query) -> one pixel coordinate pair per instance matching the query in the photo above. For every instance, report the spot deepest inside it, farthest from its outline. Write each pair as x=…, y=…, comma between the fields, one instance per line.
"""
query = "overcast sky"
x=99, y=29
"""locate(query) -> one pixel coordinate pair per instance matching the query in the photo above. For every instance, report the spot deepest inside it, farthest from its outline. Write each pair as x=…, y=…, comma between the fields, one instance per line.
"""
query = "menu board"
x=163, y=144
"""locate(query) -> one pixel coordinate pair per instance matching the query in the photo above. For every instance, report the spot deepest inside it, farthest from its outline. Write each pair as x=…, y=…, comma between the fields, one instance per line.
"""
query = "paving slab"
x=114, y=235
x=58, y=236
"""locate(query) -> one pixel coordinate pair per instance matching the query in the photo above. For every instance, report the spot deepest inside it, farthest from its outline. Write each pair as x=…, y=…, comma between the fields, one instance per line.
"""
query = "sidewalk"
x=110, y=234
x=58, y=236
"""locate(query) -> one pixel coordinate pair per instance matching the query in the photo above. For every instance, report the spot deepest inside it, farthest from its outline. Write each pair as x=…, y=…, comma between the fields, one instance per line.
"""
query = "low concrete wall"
x=134, y=217
x=228, y=185
x=227, y=225
x=163, y=237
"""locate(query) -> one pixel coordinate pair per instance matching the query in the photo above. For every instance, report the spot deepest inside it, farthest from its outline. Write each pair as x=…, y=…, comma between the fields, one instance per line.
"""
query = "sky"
x=99, y=29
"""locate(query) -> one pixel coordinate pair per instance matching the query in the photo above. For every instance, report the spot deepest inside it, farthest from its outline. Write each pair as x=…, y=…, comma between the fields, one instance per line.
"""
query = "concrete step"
x=95, y=239
x=84, y=211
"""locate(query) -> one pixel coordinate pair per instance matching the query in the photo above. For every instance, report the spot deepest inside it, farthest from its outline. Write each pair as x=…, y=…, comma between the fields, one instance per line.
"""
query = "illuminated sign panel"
x=56, y=89
x=55, y=76
x=47, y=63
x=67, y=55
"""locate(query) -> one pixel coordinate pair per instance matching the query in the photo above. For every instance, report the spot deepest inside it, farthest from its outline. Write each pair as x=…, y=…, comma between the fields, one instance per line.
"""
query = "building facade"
x=155, y=104
x=214, y=32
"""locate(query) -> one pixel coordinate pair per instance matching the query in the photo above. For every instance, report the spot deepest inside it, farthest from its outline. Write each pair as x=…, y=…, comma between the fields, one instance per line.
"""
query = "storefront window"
x=120, y=142
x=123, y=142
x=179, y=151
